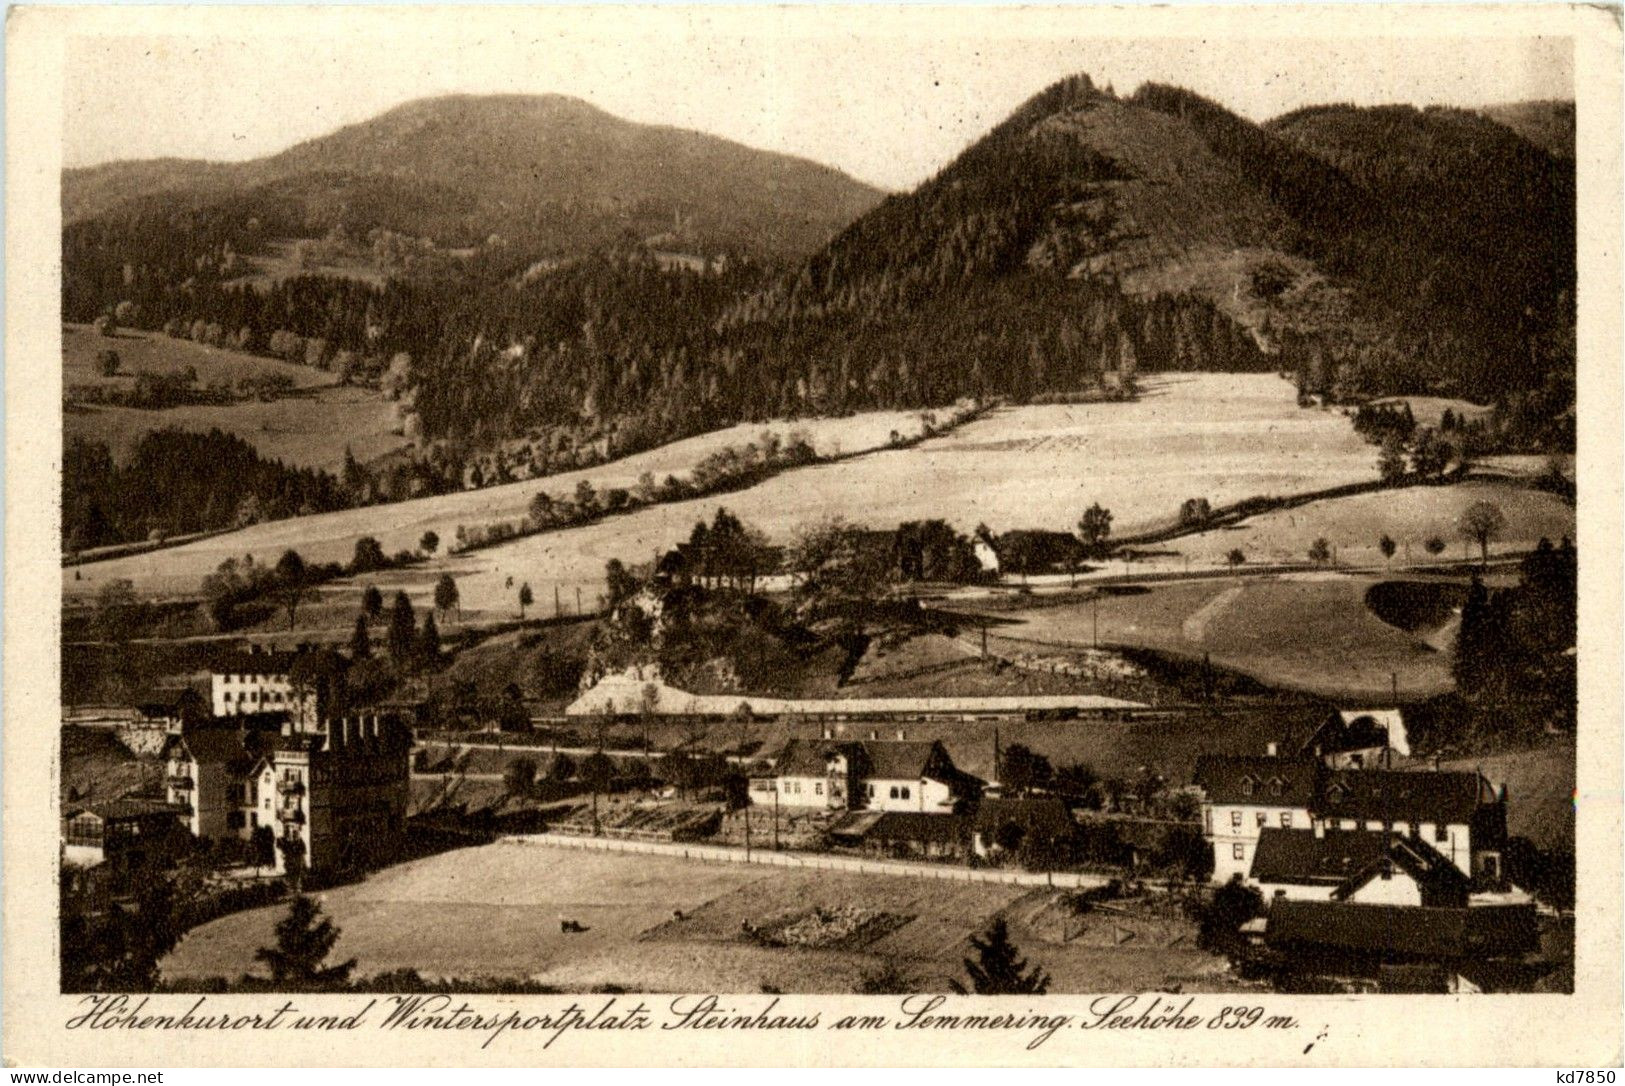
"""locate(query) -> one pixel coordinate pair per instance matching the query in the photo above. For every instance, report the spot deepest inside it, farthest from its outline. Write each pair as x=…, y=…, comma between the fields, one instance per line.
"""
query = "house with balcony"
x=328, y=798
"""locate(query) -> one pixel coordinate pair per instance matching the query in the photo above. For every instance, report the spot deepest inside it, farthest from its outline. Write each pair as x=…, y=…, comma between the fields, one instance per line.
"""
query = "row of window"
x=1440, y=831
x=897, y=791
x=257, y=677
x=1286, y=819
x=253, y=696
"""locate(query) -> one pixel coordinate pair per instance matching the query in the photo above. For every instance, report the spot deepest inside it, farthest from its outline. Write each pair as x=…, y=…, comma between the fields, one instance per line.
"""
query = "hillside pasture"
x=311, y=426
x=1354, y=525
x=495, y=911
x=1224, y=437
x=330, y=537
x=278, y=262
x=1310, y=632
x=153, y=352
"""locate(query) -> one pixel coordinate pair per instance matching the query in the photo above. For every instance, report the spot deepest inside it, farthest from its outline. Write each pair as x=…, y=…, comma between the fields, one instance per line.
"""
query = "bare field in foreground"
x=494, y=911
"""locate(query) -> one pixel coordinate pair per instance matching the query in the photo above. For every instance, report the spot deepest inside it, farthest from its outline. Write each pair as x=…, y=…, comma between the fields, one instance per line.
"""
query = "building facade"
x=1459, y=816
x=902, y=776
x=325, y=799
x=255, y=681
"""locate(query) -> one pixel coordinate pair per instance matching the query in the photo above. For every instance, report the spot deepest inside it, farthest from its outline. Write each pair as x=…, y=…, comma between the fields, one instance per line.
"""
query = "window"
x=894, y=791
x=1275, y=787
x=1261, y=817
x=1238, y=852
x=1286, y=820
x=1235, y=819
x=1441, y=832
x=904, y=791
x=1246, y=786
x=818, y=788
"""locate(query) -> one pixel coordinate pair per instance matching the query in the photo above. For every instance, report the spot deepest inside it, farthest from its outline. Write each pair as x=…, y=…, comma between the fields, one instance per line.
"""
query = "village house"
x=1355, y=866
x=1243, y=794
x=1461, y=816
x=1359, y=739
x=1456, y=950
x=328, y=798
x=128, y=834
x=898, y=775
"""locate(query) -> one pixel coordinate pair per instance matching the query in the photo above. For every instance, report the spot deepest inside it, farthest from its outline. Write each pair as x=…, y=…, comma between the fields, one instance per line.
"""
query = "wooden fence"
x=1069, y=880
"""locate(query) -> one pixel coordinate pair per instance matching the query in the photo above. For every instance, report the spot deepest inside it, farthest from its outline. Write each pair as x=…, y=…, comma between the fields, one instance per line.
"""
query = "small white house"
x=877, y=775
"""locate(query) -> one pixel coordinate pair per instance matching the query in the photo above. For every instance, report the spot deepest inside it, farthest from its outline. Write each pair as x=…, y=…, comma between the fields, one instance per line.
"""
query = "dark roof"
x=1399, y=931
x=241, y=748
x=1397, y=795
x=1044, y=814
x=902, y=759
x=1224, y=778
x=1340, y=733
x=1303, y=856
x=915, y=826
x=260, y=662
x=1350, y=858
x=129, y=807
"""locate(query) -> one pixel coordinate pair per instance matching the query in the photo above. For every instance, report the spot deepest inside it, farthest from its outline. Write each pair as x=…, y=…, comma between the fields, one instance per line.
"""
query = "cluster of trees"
x=1512, y=645
x=176, y=482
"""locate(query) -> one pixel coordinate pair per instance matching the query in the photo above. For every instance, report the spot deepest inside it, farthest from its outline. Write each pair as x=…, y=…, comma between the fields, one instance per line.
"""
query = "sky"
x=889, y=100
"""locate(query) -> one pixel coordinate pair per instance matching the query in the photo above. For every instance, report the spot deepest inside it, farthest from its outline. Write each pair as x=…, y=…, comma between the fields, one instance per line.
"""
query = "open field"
x=153, y=352
x=399, y=526
x=495, y=911
x=310, y=427
x=1354, y=524
x=1310, y=631
x=1191, y=435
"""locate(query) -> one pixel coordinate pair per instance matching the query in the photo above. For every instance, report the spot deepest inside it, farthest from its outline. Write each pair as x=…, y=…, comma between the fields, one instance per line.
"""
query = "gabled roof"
x=880, y=759
x=1348, y=859
x=1441, y=881
x=1395, y=795
x=128, y=807
x=1301, y=856
x=1402, y=932
x=1257, y=779
x=1041, y=814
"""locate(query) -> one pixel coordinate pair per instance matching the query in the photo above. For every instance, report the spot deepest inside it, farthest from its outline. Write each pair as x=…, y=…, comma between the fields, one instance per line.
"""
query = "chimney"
x=1273, y=750
x=1320, y=829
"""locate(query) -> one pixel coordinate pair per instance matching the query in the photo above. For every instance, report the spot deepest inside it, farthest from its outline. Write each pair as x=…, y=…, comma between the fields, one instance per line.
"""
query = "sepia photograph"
x=621, y=505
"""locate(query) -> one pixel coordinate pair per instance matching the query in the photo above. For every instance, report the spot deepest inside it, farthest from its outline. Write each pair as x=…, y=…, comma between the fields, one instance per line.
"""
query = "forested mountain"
x=544, y=171
x=1367, y=251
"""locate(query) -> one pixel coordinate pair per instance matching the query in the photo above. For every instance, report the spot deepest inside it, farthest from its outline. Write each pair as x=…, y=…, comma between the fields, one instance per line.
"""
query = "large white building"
x=335, y=795
x=256, y=681
x=1460, y=817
